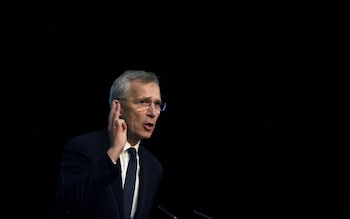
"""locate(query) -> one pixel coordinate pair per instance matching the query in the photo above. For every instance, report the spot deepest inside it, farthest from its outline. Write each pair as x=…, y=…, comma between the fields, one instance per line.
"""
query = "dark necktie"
x=129, y=185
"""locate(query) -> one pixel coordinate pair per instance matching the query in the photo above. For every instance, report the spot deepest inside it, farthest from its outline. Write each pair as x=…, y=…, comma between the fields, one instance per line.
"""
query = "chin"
x=146, y=136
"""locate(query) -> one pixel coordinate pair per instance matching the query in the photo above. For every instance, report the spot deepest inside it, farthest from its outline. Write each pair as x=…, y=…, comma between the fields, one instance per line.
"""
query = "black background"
x=246, y=133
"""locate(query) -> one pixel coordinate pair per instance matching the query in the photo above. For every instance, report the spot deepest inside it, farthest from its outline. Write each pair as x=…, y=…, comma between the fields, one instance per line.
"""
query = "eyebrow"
x=148, y=98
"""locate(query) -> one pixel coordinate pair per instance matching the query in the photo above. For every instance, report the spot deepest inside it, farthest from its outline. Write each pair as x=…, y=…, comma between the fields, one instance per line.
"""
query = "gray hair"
x=121, y=85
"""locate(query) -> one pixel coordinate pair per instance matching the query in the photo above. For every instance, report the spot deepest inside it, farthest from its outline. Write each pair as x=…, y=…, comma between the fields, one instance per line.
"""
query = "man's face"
x=140, y=110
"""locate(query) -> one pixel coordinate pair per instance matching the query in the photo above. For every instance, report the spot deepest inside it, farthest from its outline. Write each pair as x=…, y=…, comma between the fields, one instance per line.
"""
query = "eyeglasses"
x=145, y=104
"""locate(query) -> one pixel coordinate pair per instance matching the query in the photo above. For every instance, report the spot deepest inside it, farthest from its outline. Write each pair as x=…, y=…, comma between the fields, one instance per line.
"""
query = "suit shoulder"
x=86, y=139
x=150, y=157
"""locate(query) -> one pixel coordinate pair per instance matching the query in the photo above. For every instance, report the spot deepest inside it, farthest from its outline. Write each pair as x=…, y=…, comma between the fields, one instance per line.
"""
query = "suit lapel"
x=118, y=190
x=140, y=203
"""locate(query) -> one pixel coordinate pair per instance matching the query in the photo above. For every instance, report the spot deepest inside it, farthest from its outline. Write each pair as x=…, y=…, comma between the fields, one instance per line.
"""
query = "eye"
x=158, y=104
x=144, y=102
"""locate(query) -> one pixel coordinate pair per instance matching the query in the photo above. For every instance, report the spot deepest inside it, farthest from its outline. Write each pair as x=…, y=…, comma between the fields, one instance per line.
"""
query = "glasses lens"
x=162, y=106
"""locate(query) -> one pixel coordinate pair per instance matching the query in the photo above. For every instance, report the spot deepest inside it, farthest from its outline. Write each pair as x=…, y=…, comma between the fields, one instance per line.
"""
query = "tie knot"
x=132, y=153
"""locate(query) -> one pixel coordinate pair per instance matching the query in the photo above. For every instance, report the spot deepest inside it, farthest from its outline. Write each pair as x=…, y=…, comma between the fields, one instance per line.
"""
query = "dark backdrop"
x=244, y=135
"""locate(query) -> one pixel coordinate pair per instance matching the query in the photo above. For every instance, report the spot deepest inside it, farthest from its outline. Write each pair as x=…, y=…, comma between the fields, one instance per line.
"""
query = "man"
x=94, y=165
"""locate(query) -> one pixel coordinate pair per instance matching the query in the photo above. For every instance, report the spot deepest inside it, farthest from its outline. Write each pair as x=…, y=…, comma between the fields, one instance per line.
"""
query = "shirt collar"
x=136, y=146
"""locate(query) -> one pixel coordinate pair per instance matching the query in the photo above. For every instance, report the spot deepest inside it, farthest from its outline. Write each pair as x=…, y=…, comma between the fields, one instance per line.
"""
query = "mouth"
x=148, y=126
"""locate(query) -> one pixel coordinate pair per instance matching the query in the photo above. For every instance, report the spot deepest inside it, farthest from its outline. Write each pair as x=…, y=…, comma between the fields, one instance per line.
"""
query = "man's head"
x=139, y=95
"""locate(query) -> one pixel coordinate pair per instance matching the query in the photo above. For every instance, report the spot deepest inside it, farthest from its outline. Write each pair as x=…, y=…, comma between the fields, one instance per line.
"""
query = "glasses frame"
x=147, y=104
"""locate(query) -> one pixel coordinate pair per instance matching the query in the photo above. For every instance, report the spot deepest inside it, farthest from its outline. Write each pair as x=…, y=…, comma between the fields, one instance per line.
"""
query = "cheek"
x=133, y=119
x=125, y=113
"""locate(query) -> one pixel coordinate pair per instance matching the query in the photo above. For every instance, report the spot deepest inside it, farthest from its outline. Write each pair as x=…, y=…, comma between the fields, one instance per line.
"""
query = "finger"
x=112, y=112
x=117, y=109
x=124, y=126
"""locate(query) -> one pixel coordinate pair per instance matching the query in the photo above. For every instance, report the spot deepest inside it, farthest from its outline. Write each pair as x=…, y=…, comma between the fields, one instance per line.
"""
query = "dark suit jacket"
x=90, y=183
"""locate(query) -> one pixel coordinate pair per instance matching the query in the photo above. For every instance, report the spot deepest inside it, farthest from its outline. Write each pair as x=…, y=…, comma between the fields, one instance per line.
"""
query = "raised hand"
x=116, y=131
